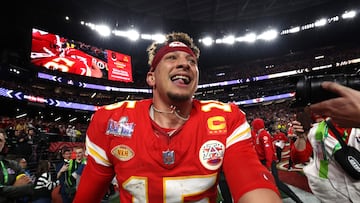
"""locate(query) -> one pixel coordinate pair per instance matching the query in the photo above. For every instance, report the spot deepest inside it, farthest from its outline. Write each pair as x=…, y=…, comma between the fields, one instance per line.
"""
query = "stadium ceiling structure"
x=200, y=13
x=199, y=18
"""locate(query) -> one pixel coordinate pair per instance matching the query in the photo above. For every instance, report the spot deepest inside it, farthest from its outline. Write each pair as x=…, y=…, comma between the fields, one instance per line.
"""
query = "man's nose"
x=183, y=62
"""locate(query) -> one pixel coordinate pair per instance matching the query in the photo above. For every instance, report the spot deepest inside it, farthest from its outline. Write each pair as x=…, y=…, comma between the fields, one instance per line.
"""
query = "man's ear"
x=150, y=79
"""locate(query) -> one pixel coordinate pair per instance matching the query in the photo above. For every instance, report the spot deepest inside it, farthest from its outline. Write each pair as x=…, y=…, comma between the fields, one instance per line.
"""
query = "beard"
x=179, y=97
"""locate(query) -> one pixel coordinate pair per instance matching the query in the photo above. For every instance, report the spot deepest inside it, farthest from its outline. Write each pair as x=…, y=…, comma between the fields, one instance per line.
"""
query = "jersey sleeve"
x=244, y=172
x=242, y=168
x=239, y=128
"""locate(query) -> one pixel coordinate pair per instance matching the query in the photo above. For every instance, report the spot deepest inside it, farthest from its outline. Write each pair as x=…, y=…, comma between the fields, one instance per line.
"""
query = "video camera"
x=309, y=90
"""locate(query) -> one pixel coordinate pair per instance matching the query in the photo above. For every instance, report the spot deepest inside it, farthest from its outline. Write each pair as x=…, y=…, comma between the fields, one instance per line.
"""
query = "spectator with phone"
x=327, y=180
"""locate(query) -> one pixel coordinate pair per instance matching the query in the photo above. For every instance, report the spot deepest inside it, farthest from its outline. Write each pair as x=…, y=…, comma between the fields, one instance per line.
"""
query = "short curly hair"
x=172, y=37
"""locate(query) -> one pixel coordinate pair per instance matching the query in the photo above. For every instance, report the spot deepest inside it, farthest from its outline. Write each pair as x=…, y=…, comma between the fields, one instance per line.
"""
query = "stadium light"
x=349, y=14
x=268, y=35
x=294, y=29
x=321, y=22
x=230, y=39
x=207, y=41
x=103, y=30
x=133, y=35
x=159, y=38
x=145, y=36
x=119, y=33
x=250, y=37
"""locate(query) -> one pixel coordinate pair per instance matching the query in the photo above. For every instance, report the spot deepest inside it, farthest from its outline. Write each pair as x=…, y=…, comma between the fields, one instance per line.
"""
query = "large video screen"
x=57, y=53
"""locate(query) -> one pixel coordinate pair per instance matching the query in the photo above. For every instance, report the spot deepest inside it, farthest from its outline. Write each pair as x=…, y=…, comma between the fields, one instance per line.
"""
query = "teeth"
x=185, y=79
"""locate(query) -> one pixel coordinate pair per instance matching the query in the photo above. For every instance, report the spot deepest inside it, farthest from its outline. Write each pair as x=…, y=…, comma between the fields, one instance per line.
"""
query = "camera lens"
x=309, y=90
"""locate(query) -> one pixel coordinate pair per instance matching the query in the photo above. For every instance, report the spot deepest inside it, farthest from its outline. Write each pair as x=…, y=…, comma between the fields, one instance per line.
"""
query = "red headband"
x=173, y=46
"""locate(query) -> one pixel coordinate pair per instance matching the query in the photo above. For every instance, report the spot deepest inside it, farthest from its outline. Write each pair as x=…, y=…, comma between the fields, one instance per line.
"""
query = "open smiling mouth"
x=183, y=79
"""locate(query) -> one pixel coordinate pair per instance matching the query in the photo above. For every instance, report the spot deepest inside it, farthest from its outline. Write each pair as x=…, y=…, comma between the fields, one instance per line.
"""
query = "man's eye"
x=171, y=57
x=193, y=61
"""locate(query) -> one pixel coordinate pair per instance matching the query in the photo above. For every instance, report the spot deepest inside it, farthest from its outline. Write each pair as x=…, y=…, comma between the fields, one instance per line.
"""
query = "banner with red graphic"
x=119, y=66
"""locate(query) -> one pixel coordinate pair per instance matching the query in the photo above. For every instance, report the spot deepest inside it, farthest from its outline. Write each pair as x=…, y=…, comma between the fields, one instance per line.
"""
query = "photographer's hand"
x=344, y=110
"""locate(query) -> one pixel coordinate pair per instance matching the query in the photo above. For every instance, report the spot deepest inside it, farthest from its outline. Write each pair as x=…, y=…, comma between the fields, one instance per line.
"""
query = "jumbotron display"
x=54, y=52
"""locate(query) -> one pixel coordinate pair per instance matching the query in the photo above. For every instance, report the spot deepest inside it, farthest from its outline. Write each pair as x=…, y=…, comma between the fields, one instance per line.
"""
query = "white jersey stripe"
x=97, y=153
x=239, y=134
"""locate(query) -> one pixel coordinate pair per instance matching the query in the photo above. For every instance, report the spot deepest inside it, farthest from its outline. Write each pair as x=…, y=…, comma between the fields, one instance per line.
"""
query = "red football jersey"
x=264, y=147
x=45, y=44
x=122, y=141
x=50, y=51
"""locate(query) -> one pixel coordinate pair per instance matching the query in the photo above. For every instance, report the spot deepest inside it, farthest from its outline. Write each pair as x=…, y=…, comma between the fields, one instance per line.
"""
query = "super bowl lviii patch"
x=120, y=128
